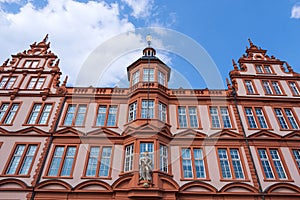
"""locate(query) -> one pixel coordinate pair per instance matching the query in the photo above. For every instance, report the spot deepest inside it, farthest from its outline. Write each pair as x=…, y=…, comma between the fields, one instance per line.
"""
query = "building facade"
x=149, y=141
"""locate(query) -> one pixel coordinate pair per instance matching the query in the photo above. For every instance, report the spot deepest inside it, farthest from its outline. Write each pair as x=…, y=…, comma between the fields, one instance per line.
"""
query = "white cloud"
x=75, y=29
x=140, y=8
x=296, y=11
x=9, y=1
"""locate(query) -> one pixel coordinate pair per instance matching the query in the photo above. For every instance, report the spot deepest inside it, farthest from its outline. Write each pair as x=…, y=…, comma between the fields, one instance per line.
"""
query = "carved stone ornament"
x=145, y=169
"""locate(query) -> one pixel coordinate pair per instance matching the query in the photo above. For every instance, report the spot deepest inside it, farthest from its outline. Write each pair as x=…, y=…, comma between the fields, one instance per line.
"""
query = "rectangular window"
x=31, y=64
x=107, y=115
x=62, y=161
x=296, y=153
x=36, y=83
x=132, y=111
x=147, y=109
x=231, y=166
x=135, y=77
x=161, y=78
x=162, y=112
x=75, y=115
x=267, y=87
x=40, y=114
x=7, y=82
x=148, y=75
x=271, y=164
x=254, y=117
x=215, y=121
x=217, y=114
x=266, y=69
x=188, y=117
x=22, y=159
x=276, y=87
x=294, y=87
x=8, y=112
x=128, y=161
x=249, y=87
x=193, y=165
x=163, y=158
x=99, y=162
x=286, y=118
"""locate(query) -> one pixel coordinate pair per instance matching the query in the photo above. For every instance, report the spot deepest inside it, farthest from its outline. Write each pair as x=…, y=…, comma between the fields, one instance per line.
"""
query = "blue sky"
x=222, y=27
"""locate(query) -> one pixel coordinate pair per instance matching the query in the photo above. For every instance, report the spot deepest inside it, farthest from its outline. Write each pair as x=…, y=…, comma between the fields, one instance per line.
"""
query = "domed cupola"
x=149, y=51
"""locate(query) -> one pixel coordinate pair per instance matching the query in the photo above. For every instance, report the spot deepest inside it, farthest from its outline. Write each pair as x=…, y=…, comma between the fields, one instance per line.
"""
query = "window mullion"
x=40, y=113
x=193, y=163
x=99, y=161
x=220, y=117
x=106, y=117
x=75, y=114
x=272, y=164
x=21, y=159
x=63, y=157
x=230, y=163
x=286, y=118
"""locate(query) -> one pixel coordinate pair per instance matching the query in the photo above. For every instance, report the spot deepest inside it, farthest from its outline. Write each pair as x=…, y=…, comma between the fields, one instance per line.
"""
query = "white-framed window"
x=132, y=111
x=161, y=78
x=128, y=161
x=147, y=111
x=163, y=158
x=162, y=112
x=135, y=77
x=75, y=115
x=286, y=118
x=8, y=112
x=31, y=64
x=193, y=165
x=230, y=163
x=148, y=75
x=107, y=115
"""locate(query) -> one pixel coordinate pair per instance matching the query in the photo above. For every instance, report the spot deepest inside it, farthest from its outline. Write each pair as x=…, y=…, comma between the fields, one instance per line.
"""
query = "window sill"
x=96, y=177
x=72, y=126
x=252, y=93
x=15, y=175
x=256, y=129
x=234, y=180
x=195, y=179
x=289, y=129
x=182, y=128
x=278, y=180
x=35, y=125
x=58, y=177
x=276, y=95
x=104, y=126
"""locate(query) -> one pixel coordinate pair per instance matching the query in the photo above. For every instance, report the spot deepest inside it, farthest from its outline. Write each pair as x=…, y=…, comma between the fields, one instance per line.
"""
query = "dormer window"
x=31, y=64
x=161, y=78
x=36, y=83
x=263, y=69
x=148, y=75
x=135, y=77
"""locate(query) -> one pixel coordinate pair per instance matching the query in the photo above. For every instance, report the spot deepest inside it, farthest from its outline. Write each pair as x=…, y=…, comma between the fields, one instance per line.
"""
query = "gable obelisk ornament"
x=145, y=169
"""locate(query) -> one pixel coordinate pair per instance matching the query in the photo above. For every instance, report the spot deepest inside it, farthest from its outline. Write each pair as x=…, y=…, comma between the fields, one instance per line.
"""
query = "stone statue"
x=145, y=167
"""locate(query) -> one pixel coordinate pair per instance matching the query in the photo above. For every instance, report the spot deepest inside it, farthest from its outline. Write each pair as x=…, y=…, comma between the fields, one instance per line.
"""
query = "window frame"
x=4, y=87
x=40, y=112
x=263, y=69
x=162, y=112
x=253, y=110
x=296, y=85
x=31, y=64
x=161, y=78
x=63, y=157
x=134, y=111
x=271, y=163
x=36, y=83
x=107, y=113
x=194, y=177
x=287, y=121
x=131, y=157
x=252, y=85
x=99, y=158
x=148, y=75
x=136, y=75
x=232, y=171
x=294, y=158
x=220, y=117
x=148, y=109
x=20, y=164
x=188, y=116
x=8, y=111
x=75, y=114
x=271, y=88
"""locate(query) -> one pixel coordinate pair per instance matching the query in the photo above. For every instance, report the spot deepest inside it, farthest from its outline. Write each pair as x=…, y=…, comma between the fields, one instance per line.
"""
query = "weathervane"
x=149, y=38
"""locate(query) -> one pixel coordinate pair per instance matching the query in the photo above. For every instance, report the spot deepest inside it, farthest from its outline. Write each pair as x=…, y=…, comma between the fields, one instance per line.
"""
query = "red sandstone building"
x=59, y=142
